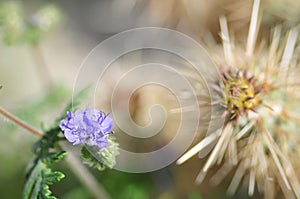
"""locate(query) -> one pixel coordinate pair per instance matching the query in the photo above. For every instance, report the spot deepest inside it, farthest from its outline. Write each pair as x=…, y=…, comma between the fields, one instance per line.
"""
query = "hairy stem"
x=20, y=123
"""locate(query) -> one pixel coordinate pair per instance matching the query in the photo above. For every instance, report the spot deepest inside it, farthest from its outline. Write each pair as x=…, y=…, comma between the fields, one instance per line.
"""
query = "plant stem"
x=21, y=123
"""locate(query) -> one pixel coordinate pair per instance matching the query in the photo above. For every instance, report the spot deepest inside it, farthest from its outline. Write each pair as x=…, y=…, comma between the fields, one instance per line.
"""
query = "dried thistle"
x=258, y=90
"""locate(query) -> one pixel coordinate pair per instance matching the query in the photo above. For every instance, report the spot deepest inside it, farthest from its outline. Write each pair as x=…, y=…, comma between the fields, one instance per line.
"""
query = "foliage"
x=39, y=175
x=101, y=159
x=16, y=29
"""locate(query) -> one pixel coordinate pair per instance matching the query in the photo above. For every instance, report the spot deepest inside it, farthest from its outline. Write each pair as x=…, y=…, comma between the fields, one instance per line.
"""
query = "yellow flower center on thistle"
x=240, y=93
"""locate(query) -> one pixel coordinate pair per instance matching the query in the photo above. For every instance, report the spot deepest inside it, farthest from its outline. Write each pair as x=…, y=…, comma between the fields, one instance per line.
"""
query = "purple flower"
x=90, y=126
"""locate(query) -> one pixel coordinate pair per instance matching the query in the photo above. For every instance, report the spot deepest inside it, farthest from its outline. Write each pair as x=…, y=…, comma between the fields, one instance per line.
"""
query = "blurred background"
x=38, y=69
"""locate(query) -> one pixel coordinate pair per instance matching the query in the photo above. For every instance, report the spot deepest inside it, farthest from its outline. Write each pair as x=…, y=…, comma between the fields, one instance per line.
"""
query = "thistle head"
x=258, y=91
x=240, y=93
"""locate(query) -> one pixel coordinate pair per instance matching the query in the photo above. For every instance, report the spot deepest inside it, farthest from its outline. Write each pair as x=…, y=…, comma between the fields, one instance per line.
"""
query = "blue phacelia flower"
x=89, y=126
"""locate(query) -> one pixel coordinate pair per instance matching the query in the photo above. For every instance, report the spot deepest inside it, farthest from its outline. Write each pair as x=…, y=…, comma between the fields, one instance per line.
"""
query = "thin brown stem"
x=21, y=123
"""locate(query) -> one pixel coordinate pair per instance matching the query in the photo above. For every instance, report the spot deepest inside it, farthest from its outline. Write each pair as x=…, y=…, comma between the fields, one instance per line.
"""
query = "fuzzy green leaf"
x=90, y=160
x=30, y=168
x=31, y=181
x=53, y=177
x=46, y=193
x=39, y=175
x=101, y=159
x=51, y=158
x=37, y=185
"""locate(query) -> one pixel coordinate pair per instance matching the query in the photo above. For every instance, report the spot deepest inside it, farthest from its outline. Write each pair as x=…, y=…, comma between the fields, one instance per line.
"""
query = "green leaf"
x=101, y=159
x=90, y=160
x=37, y=187
x=31, y=181
x=30, y=168
x=53, y=177
x=39, y=171
x=46, y=193
x=51, y=158
x=39, y=175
